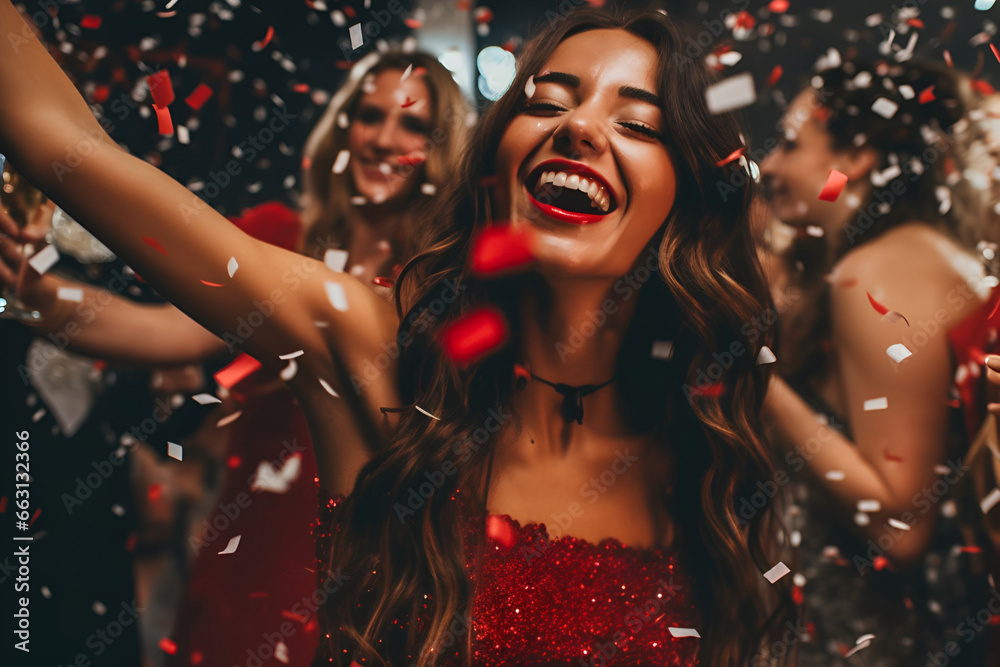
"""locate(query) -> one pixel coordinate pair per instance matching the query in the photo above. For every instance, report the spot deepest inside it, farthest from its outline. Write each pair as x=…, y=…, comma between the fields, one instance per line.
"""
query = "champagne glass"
x=22, y=201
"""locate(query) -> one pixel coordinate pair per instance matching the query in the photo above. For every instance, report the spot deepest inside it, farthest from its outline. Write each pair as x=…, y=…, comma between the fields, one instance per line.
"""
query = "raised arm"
x=193, y=256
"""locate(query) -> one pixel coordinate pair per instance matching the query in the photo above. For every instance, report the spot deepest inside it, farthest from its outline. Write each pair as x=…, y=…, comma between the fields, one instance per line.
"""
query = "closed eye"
x=541, y=107
x=645, y=130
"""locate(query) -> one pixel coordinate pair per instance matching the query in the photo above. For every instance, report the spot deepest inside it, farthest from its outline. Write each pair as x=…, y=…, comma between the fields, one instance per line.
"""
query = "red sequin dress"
x=565, y=601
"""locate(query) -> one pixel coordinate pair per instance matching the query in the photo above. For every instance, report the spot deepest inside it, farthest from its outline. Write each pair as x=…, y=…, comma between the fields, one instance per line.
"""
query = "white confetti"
x=881, y=403
x=46, y=593
x=733, y=93
x=340, y=164
x=70, y=293
x=663, y=349
x=730, y=58
x=776, y=572
x=232, y=266
x=99, y=608
x=117, y=510
x=335, y=293
x=864, y=641
x=869, y=506
x=358, y=200
x=907, y=92
x=407, y=73
x=815, y=231
x=276, y=480
x=991, y=499
x=338, y=18
x=44, y=259
x=356, y=39
x=289, y=371
x=429, y=189
x=234, y=543
x=229, y=419
x=862, y=519
x=421, y=410
x=885, y=107
x=281, y=652
x=896, y=523
x=291, y=355
x=183, y=136
x=684, y=632
x=171, y=4
x=335, y=259
x=529, y=87
x=205, y=399
x=941, y=470
x=343, y=120
x=330, y=390
x=765, y=356
x=175, y=451
x=898, y=352
x=835, y=475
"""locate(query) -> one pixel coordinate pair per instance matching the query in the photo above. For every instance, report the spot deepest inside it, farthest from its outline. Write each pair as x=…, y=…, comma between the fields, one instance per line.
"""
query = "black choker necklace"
x=572, y=407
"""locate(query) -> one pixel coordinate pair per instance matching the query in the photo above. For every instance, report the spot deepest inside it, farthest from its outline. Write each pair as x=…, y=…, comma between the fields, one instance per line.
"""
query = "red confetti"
x=167, y=646
x=91, y=21
x=483, y=15
x=257, y=46
x=161, y=88
x=101, y=94
x=476, y=334
x=879, y=308
x=301, y=88
x=983, y=87
x=822, y=114
x=745, y=20
x=775, y=74
x=210, y=284
x=797, y=595
x=915, y=23
x=413, y=24
x=197, y=657
x=732, y=157
x=34, y=517
x=995, y=53
x=947, y=58
x=199, y=96
x=350, y=11
x=306, y=162
x=154, y=244
x=970, y=550
x=408, y=102
x=383, y=281
x=155, y=491
x=416, y=157
x=778, y=6
x=500, y=531
x=166, y=126
x=927, y=95
x=234, y=461
x=834, y=186
x=238, y=369
x=880, y=562
x=499, y=249
x=463, y=5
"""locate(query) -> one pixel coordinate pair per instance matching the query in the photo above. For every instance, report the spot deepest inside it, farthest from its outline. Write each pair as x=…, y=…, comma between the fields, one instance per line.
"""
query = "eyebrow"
x=625, y=91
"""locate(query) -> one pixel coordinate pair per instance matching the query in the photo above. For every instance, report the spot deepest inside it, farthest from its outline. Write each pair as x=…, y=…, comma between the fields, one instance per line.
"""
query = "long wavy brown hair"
x=708, y=285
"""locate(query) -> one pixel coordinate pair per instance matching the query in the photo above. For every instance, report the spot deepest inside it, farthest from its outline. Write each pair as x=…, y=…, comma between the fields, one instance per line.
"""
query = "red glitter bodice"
x=564, y=601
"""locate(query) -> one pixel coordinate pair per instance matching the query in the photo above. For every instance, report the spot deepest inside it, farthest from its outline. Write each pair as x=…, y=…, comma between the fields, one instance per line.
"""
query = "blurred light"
x=452, y=60
x=497, y=71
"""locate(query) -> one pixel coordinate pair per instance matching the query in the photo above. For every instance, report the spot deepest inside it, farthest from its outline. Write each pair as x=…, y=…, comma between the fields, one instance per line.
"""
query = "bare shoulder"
x=914, y=269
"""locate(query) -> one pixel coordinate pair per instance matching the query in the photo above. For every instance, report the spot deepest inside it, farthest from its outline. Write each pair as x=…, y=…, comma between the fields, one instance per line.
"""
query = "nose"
x=383, y=139
x=581, y=134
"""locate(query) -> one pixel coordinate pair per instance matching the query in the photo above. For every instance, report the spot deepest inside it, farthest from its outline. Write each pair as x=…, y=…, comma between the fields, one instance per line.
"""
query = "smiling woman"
x=458, y=580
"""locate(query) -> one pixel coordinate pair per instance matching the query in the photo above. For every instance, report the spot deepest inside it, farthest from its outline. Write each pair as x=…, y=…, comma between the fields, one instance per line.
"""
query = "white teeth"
x=599, y=199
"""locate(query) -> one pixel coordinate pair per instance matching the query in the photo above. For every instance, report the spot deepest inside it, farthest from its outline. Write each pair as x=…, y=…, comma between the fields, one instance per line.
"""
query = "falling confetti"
x=428, y=189
x=198, y=97
x=260, y=45
x=335, y=293
x=733, y=93
x=175, y=451
x=684, y=632
x=289, y=371
x=232, y=266
x=90, y=22
x=663, y=350
x=765, y=356
x=236, y=371
x=229, y=419
x=70, y=294
x=869, y=506
x=161, y=88
x=885, y=107
x=277, y=480
x=864, y=641
x=330, y=390
x=775, y=74
x=991, y=499
x=205, y=399
x=896, y=523
x=340, y=164
x=835, y=475
x=167, y=645
x=164, y=124
x=881, y=403
x=776, y=572
x=356, y=38
x=834, y=186
x=234, y=544
x=732, y=157
x=44, y=259
x=209, y=283
x=476, y=334
x=500, y=249
x=898, y=352
x=529, y=87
